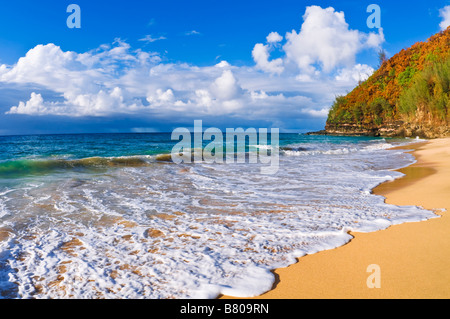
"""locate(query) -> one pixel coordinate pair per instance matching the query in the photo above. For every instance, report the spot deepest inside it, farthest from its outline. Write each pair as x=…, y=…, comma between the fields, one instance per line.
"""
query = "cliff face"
x=409, y=95
x=389, y=130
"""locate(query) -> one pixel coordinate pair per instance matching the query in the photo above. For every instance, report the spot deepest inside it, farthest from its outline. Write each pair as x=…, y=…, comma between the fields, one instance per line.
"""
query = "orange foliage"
x=395, y=75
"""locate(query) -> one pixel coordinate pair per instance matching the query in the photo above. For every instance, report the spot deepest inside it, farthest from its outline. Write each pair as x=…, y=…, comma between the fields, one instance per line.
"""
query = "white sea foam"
x=192, y=231
x=3, y=200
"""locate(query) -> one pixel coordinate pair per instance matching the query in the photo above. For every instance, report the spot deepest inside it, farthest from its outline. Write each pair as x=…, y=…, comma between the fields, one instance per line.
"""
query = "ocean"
x=108, y=216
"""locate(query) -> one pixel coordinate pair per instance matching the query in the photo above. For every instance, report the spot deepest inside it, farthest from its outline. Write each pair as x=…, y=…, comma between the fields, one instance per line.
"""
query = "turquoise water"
x=39, y=154
x=83, y=146
x=22, y=155
x=79, y=146
x=105, y=216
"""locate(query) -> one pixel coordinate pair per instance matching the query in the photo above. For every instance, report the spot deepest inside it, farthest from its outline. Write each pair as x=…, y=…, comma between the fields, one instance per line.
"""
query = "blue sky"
x=137, y=66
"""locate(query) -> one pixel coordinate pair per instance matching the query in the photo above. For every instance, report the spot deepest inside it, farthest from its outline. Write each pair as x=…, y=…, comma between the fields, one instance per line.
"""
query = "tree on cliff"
x=411, y=89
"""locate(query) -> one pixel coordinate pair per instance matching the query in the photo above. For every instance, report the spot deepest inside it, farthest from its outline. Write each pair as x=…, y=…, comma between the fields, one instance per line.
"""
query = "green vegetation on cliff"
x=429, y=93
x=408, y=95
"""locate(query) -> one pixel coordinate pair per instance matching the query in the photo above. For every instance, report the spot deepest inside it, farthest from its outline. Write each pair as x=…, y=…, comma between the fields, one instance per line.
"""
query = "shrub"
x=430, y=90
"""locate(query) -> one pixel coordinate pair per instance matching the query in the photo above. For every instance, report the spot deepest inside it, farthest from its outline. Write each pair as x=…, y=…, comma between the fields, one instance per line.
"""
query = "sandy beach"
x=413, y=258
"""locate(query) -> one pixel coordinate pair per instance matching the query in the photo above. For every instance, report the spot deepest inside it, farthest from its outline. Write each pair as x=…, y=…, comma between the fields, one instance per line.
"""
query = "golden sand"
x=413, y=258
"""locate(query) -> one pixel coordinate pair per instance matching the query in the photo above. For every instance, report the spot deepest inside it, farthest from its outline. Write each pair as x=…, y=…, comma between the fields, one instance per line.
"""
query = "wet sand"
x=413, y=258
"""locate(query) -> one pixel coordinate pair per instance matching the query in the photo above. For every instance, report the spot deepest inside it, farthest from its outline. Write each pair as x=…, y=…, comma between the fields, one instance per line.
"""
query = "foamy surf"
x=190, y=230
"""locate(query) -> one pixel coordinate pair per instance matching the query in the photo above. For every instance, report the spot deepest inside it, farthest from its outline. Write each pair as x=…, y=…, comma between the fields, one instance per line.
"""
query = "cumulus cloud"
x=225, y=87
x=326, y=39
x=88, y=82
x=261, y=57
x=325, y=43
x=44, y=64
x=117, y=79
x=444, y=13
x=35, y=105
x=358, y=73
x=274, y=37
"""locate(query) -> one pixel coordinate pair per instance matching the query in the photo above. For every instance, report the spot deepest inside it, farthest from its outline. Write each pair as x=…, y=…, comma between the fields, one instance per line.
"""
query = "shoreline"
x=413, y=257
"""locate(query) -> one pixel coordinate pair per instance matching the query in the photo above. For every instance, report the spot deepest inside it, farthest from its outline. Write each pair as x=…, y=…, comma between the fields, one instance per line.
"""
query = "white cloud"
x=192, y=32
x=324, y=43
x=261, y=57
x=116, y=79
x=225, y=87
x=149, y=39
x=274, y=37
x=326, y=39
x=374, y=40
x=323, y=113
x=44, y=64
x=203, y=98
x=223, y=64
x=161, y=97
x=3, y=69
x=358, y=73
x=444, y=13
x=35, y=105
x=86, y=81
